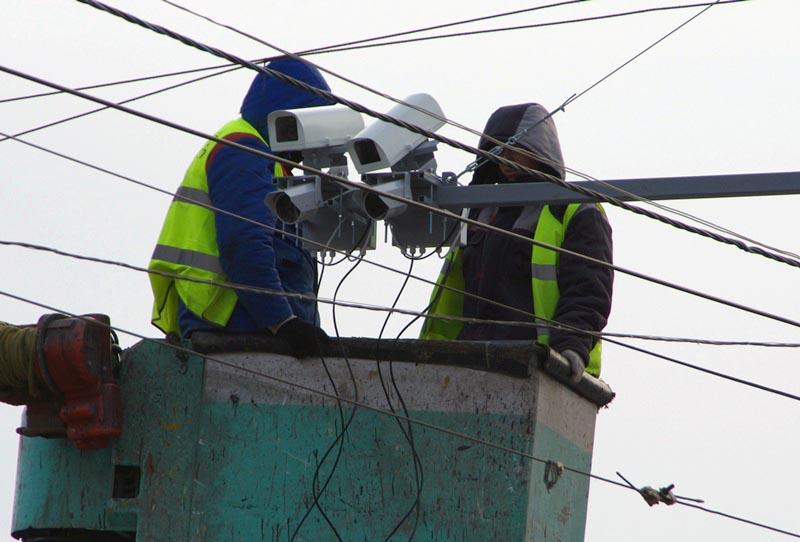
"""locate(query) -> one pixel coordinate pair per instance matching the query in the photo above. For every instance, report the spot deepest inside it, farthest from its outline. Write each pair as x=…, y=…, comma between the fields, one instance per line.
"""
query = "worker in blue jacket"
x=220, y=247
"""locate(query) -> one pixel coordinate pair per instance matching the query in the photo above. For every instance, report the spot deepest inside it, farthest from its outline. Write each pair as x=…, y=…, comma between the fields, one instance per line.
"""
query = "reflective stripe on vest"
x=187, y=246
x=544, y=285
x=189, y=258
x=192, y=195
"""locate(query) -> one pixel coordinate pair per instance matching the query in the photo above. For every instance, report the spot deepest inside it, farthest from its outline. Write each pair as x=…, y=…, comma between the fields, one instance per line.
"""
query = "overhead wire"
x=409, y=202
x=646, y=200
x=324, y=247
x=542, y=322
x=702, y=508
x=535, y=25
x=508, y=144
x=789, y=255
x=570, y=100
x=318, y=50
x=615, y=188
x=378, y=410
x=418, y=130
x=99, y=109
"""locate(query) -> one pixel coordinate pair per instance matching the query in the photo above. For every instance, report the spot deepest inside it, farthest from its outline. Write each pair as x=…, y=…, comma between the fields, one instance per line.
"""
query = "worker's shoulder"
x=560, y=211
x=230, y=149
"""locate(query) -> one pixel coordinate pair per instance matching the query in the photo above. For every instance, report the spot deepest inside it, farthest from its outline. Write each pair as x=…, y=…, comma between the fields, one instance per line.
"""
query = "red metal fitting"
x=75, y=361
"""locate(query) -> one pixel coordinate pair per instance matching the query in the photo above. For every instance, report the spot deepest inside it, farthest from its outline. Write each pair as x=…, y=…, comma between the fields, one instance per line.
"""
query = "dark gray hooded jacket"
x=498, y=267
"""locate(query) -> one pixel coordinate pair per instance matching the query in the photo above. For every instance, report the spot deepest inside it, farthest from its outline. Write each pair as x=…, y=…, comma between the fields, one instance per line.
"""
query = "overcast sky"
x=720, y=96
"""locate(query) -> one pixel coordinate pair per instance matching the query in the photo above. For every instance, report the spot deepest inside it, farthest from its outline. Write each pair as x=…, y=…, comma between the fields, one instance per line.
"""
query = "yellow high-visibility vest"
x=187, y=246
x=544, y=286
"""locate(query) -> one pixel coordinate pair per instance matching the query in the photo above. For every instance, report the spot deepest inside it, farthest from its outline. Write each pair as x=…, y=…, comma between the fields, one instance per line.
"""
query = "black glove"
x=303, y=338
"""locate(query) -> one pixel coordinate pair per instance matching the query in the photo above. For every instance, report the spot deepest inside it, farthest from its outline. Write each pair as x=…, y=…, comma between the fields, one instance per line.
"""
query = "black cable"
x=367, y=188
x=307, y=52
x=448, y=141
x=570, y=100
x=430, y=134
x=374, y=263
x=344, y=425
x=366, y=406
x=129, y=100
x=357, y=107
x=346, y=46
x=508, y=143
x=407, y=432
x=265, y=291
x=316, y=493
x=530, y=26
x=340, y=437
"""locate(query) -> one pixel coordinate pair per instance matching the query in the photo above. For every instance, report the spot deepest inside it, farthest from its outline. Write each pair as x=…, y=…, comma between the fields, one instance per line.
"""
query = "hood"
x=541, y=139
x=267, y=94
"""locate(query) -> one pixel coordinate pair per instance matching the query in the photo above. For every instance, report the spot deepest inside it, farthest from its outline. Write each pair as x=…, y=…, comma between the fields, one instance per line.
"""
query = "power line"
x=570, y=100
x=425, y=111
x=427, y=133
x=662, y=219
x=319, y=50
x=663, y=207
x=508, y=144
x=707, y=342
x=129, y=100
x=125, y=81
x=378, y=410
x=364, y=306
x=307, y=52
x=530, y=26
x=367, y=188
x=694, y=340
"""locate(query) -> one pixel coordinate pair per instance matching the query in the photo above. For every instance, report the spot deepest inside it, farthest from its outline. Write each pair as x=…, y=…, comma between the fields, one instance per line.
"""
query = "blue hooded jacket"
x=238, y=182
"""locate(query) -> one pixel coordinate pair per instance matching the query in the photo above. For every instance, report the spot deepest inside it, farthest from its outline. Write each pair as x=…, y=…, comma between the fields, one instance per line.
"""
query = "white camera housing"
x=381, y=144
x=312, y=127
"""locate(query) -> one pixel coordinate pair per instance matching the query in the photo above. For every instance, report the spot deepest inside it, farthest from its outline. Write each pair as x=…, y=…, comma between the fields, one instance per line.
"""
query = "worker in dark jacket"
x=199, y=242
x=533, y=281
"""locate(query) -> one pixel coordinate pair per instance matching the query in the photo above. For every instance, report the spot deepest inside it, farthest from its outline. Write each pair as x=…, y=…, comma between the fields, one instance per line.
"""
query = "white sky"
x=718, y=97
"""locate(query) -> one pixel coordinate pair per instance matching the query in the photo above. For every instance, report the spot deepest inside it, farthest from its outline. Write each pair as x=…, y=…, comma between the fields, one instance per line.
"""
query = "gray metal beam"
x=660, y=188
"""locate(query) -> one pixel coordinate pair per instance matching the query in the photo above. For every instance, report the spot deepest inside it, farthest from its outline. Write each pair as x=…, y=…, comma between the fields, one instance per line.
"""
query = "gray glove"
x=576, y=364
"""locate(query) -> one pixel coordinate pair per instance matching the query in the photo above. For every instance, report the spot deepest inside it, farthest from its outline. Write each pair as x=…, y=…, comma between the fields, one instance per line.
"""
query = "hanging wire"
x=406, y=431
x=753, y=250
x=413, y=128
x=475, y=164
x=325, y=49
x=540, y=322
x=512, y=141
x=324, y=247
x=129, y=100
x=532, y=26
x=345, y=425
x=377, y=410
x=370, y=189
